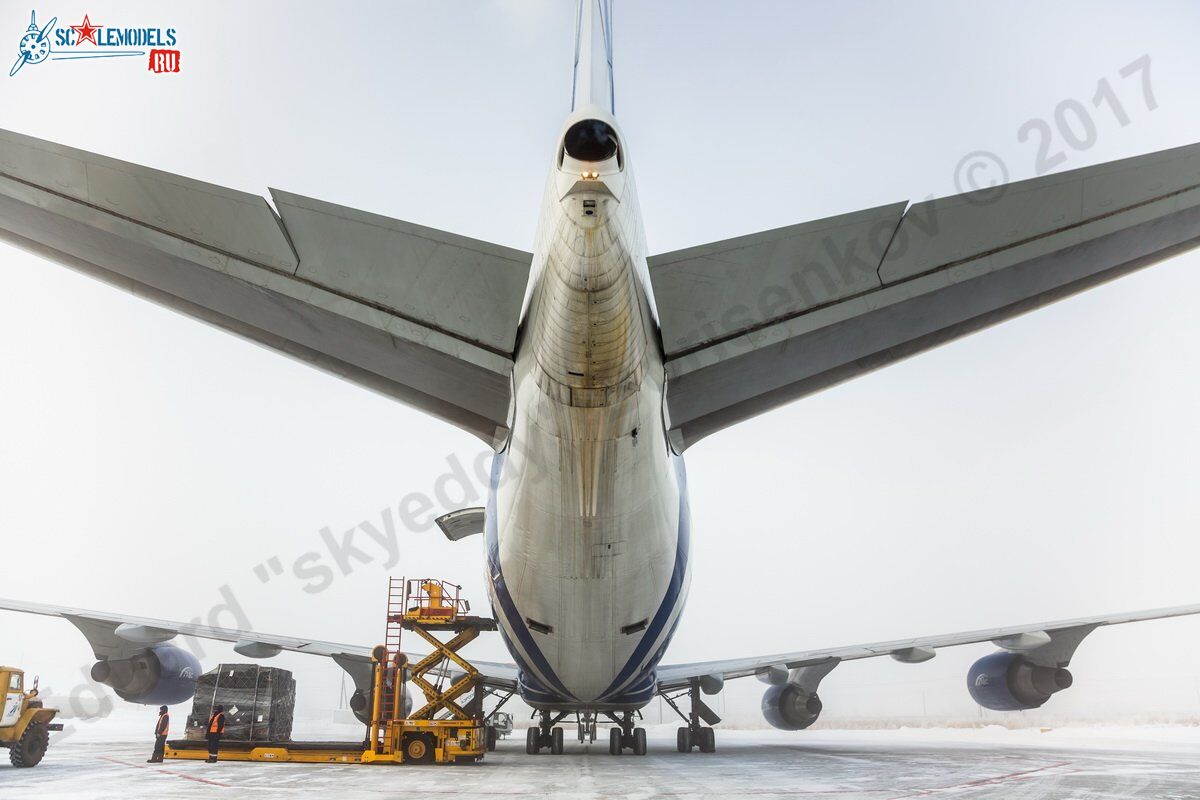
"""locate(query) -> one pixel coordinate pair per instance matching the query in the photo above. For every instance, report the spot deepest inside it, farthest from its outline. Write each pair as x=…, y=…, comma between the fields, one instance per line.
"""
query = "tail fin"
x=593, y=84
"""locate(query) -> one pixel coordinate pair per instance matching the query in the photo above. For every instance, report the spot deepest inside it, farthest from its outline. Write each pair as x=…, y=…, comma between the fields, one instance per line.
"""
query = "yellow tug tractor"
x=25, y=725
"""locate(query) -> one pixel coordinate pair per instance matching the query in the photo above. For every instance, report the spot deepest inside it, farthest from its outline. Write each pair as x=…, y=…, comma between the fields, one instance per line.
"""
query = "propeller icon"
x=34, y=46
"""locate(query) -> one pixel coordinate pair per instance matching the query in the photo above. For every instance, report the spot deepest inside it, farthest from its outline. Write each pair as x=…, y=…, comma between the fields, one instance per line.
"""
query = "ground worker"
x=161, y=729
x=216, y=726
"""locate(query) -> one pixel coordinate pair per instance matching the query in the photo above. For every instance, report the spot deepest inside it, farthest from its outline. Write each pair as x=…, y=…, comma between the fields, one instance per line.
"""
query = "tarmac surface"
x=908, y=763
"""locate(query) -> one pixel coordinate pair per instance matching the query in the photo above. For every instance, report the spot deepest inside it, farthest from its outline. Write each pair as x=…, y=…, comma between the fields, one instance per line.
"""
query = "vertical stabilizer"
x=593, y=84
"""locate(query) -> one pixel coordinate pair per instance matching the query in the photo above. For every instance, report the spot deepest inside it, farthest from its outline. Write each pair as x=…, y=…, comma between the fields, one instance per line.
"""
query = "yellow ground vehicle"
x=444, y=730
x=24, y=724
x=426, y=606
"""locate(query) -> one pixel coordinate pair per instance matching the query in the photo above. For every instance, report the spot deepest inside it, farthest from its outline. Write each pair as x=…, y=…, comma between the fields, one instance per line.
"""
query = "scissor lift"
x=430, y=606
x=441, y=731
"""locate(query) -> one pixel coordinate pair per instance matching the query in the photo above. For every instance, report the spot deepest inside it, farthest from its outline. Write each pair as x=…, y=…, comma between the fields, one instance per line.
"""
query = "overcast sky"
x=1043, y=469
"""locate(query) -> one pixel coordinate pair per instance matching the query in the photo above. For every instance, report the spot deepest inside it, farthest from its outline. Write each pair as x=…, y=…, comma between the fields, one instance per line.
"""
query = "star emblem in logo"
x=86, y=31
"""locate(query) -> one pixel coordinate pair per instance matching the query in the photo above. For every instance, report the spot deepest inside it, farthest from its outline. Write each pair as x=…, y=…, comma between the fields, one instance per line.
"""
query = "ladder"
x=392, y=672
x=395, y=615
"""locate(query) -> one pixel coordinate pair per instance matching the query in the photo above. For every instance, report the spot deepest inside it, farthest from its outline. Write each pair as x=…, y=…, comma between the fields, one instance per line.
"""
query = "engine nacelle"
x=790, y=708
x=360, y=704
x=1010, y=682
x=161, y=675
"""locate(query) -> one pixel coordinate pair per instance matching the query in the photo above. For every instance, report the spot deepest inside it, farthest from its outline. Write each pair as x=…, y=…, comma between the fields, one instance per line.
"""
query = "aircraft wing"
x=116, y=636
x=1050, y=644
x=421, y=315
x=751, y=323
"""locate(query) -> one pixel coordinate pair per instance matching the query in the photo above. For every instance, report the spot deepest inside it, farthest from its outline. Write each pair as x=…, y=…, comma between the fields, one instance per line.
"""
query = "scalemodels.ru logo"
x=52, y=42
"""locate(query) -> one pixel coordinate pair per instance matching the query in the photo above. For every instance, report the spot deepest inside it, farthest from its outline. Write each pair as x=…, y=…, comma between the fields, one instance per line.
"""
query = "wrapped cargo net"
x=259, y=703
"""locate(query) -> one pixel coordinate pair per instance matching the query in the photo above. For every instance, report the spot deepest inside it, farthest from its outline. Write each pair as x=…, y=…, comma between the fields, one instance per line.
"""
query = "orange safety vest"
x=163, y=726
x=217, y=722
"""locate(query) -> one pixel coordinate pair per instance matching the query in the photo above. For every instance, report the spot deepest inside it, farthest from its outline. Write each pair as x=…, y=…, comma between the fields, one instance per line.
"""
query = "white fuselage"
x=587, y=524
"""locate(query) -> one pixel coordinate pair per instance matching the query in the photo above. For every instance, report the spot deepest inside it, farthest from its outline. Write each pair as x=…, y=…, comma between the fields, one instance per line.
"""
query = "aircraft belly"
x=587, y=551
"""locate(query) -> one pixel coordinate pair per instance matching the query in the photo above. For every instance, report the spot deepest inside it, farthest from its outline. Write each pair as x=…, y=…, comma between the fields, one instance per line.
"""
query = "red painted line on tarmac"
x=168, y=772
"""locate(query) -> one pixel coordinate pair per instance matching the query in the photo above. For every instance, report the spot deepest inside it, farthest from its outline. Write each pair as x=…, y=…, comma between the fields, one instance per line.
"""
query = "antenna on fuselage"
x=593, y=79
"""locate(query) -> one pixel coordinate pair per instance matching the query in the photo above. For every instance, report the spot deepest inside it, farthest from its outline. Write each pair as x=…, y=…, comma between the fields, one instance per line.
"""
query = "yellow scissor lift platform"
x=425, y=606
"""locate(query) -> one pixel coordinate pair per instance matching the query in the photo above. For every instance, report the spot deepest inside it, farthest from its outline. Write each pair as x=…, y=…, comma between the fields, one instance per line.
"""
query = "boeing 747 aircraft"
x=591, y=366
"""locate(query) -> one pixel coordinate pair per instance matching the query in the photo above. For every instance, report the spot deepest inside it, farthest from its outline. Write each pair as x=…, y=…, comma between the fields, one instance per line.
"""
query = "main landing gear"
x=689, y=737
x=694, y=735
x=626, y=737
x=546, y=736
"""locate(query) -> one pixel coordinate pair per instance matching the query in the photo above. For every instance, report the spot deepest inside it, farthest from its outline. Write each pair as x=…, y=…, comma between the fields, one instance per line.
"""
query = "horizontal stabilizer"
x=421, y=315
x=752, y=323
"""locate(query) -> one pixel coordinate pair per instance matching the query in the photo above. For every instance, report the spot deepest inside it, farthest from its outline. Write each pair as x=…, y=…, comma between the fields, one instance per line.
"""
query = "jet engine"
x=1010, y=682
x=158, y=675
x=360, y=704
x=790, y=708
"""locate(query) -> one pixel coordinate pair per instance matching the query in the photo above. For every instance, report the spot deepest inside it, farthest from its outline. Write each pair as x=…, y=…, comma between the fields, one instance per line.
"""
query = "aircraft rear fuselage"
x=587, y=525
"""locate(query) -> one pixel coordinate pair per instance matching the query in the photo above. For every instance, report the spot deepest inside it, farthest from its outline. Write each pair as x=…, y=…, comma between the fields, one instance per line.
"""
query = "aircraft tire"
x=639, y=741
